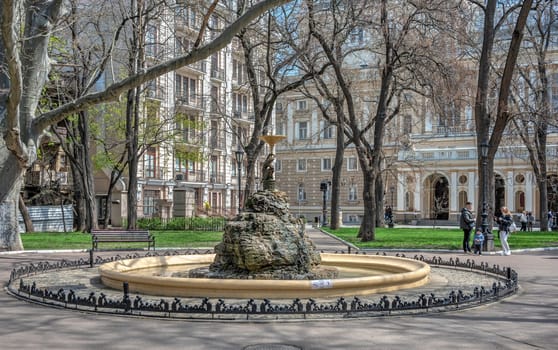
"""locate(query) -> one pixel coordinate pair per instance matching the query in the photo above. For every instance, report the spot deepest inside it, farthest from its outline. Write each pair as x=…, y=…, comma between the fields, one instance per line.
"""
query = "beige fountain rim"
x=403, y=273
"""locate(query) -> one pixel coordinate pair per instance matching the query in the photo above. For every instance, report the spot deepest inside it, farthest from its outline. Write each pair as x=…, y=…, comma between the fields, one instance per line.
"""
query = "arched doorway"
x=436, y=198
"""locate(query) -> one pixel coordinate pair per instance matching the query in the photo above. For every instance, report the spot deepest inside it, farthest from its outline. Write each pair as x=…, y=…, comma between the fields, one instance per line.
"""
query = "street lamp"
x=390, y=218
x=484, y=223
x=323, y=187
x=239, y=155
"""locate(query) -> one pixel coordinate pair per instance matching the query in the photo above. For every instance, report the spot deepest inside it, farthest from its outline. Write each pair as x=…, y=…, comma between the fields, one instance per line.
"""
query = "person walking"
x=466, y=223
x=530, y=221
x=523, y=221
x=504, y=222
x=550, y=217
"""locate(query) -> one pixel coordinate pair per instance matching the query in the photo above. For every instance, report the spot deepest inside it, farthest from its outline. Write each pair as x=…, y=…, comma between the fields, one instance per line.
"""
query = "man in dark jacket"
x=466, y=223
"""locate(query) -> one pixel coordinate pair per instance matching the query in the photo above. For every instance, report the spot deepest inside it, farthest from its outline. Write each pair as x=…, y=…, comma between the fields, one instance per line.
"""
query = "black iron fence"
x=22, y=286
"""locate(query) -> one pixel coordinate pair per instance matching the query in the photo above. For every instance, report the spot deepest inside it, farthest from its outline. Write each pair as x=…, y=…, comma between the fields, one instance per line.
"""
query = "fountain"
x=265, y=254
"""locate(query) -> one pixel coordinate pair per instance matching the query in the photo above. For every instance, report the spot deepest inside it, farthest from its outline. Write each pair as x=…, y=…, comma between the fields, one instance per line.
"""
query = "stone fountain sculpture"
x=265, y=241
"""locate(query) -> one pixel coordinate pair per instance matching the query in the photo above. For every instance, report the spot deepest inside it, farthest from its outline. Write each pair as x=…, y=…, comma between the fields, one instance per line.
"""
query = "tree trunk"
x=25, y=215
x=9, y=230
x=367, y=227
x=88, y=181
x=132, y=132
x=336, y=174
x=379, y=201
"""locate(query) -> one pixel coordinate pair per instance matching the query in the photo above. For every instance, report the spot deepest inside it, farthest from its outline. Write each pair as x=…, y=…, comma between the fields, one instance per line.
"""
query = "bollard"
x=125, y=288
x=91, y=258
x=489, y=242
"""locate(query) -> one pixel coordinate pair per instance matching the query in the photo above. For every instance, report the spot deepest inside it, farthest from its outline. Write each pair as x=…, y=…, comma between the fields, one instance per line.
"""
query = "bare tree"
x=534, y=110
x=26, y=28
x=490, y=128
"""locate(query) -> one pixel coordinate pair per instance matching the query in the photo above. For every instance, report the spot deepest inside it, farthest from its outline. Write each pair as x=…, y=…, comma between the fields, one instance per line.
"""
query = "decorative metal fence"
x=207, y=308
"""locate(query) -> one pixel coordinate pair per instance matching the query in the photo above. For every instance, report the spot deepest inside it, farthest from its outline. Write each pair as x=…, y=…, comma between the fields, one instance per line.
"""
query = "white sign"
x=322, y=284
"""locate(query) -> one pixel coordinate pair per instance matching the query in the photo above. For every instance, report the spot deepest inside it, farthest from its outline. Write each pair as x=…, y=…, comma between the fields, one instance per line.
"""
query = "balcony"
x=190, y=176
x=218, y=74
x=190, y=102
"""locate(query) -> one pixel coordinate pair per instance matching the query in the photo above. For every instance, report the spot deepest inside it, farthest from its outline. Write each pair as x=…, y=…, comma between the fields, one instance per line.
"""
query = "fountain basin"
x=394, y=274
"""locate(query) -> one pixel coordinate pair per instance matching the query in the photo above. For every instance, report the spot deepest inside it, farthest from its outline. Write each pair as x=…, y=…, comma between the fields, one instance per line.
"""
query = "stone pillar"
x=510, y=193
x=454, y=195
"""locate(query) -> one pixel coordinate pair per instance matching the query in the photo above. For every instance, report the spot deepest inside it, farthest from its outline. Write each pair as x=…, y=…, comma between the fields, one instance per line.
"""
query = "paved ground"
x=526, y=321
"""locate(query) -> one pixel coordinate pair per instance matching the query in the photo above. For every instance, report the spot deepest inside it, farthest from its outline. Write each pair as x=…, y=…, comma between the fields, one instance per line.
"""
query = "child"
x=478, y=239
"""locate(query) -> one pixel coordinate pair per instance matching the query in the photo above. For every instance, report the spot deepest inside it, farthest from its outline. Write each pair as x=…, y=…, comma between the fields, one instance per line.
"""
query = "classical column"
x=510, y=193
x=453, y=192
x=418, y=189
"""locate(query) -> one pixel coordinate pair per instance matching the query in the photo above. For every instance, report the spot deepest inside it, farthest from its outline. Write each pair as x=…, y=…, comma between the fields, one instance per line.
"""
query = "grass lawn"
x=439, y=238
x=78, y=240
x=395, y=238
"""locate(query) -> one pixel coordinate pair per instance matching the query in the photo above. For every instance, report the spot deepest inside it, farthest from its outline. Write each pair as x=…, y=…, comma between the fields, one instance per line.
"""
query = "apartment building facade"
x=205, y=110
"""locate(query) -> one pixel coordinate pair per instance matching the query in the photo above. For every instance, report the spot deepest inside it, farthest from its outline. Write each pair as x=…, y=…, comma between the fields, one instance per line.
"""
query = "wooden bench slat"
x=98, y=236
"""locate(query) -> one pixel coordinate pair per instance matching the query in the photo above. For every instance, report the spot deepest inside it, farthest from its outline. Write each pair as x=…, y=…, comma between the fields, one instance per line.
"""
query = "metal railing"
x=21, y=284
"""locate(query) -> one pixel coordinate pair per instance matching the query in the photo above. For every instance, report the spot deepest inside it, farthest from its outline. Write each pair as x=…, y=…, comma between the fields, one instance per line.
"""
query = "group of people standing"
x=526, y=219
x=467, y=224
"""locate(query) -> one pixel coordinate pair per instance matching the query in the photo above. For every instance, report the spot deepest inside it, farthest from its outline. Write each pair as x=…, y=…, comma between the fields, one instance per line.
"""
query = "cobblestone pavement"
x=526, y=321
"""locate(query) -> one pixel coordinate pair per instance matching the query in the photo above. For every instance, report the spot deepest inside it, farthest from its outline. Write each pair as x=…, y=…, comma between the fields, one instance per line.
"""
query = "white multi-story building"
x=202, y=109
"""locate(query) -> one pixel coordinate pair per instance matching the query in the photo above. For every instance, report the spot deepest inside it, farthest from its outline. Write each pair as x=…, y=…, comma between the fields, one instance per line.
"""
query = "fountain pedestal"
x=266, y=242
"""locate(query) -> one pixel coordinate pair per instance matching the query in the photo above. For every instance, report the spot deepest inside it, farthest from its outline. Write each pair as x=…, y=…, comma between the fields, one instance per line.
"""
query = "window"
x=353, y=192
x=301, y=105
x=149, y=162
x=149, y=200
x=302, y=130
x=280, y=128
x=352, y=164
x=151, y=41
x=356, y=36
x=407, y=124
x=326, y=164
x=328, y=131
x=301, y=193
x=301, y=165
x=185, y=89
x=278, y=165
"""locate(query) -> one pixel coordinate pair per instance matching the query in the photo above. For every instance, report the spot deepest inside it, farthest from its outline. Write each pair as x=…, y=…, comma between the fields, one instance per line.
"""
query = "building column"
x=529, y=191
x=510, y=193
x=453, y=192
x=472, y=185
x=418, y=191
x=400, y=189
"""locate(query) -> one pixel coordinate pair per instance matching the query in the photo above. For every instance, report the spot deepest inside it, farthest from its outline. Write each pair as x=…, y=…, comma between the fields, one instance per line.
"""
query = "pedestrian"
x=504, y=222
x=523, y=221
x=466, y=223
x=550, y=217
x=530, y=221
x=478, y=240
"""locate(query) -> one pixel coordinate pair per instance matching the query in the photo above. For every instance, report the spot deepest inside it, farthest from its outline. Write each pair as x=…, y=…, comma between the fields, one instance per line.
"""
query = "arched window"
x=520, y=201
x=462, y=199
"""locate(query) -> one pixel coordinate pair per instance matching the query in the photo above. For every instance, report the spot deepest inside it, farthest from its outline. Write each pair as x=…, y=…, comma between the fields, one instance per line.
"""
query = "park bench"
x=107, y=236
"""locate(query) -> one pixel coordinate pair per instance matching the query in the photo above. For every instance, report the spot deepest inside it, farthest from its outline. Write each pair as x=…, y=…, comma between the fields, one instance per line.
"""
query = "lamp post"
x=390, y=218
x=323, y=187
x=484, y=215
x=239, y=155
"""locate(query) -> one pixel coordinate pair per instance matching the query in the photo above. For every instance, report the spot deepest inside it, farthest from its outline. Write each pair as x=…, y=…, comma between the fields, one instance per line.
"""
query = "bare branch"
x=114, y=91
